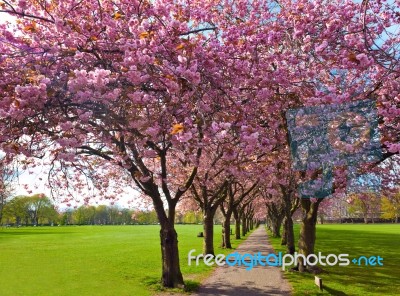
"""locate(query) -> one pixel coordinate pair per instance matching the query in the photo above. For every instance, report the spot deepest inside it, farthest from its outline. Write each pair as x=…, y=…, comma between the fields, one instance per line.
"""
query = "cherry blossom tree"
x=129, y=92
x=111, y=91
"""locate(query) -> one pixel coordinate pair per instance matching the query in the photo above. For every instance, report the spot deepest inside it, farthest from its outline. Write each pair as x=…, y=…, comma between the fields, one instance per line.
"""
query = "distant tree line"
x=29, y=210
x=38, y=209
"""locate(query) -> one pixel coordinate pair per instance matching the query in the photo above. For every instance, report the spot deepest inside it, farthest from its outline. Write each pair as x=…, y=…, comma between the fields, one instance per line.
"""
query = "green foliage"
x=36, y=209
x=192, y=217
x=143, y=217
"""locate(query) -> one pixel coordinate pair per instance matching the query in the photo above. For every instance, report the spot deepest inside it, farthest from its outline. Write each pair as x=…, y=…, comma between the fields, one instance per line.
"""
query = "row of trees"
x=371, y=207
x=40, y=210
x=186, y=101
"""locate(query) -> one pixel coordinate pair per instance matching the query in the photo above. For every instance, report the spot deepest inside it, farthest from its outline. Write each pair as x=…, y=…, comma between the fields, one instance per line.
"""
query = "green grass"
x=356, y=240
x=93, y=260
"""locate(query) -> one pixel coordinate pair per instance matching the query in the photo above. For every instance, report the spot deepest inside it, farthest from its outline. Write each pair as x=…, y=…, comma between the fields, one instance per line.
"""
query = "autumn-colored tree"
x=390, y=207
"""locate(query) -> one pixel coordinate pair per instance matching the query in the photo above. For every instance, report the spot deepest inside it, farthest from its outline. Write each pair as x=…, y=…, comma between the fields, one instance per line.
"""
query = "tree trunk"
x=208, y=227
x=290, y=247
x=237, y=224
x=227, y=235
x=308, y=230
x=269, y=223
x=243, y=225
x=226, y=231
x=276, y=227
x=171, y=273
x=284, y=238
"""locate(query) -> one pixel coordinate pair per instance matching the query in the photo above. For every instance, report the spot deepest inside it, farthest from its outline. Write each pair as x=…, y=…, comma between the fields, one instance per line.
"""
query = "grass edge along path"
x=248, y=280
x=193, y=280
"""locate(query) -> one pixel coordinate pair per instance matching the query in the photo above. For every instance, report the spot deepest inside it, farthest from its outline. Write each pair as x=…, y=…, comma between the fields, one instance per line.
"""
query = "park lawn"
x=355, y=240
x=93, y=260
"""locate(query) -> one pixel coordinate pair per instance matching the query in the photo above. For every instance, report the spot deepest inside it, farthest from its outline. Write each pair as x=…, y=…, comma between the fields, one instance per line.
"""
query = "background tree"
x=390, y=207
x=365, y=205
x=7, y=176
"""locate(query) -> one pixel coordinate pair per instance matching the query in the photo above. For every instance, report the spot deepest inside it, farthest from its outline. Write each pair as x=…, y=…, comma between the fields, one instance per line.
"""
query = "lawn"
x=92, y=260
x=356, y=240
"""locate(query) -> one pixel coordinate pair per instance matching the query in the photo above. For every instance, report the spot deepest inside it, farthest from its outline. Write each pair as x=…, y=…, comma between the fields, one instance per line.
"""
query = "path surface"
x=237, y=281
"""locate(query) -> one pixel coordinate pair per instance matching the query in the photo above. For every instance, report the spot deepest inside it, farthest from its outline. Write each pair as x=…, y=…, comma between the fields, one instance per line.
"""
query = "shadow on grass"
x=334, y=292
x=376, y=279
x=154, y=284
x=355, y=240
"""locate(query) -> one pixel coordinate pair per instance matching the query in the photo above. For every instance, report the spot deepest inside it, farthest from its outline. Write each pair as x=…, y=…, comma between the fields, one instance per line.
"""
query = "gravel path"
x=237, y=281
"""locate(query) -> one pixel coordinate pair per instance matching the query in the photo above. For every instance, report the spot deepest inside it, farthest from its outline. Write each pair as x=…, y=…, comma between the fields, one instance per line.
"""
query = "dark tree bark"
x=284, y=236
x=236, y=215
x=244, y=227
x=290, y=246
x=208, y=228
x=308, y=230
x=226, y=235
x=276, y=227
x=276, y=214
x=226, y=225
x=235, y=204
x=291, y=204
x=249, y=218
x=171, y=272
x=209, y=202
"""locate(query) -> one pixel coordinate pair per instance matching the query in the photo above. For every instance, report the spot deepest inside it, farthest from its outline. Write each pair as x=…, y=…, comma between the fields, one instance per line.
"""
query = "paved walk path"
x=237, y=281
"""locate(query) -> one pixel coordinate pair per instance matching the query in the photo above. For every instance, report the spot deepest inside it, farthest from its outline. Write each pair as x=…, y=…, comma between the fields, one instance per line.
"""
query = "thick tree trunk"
x=171, y=273
x=208, y=227
x=307, y=230
x=227, y=235
x=237, y=229
x=276, y=227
